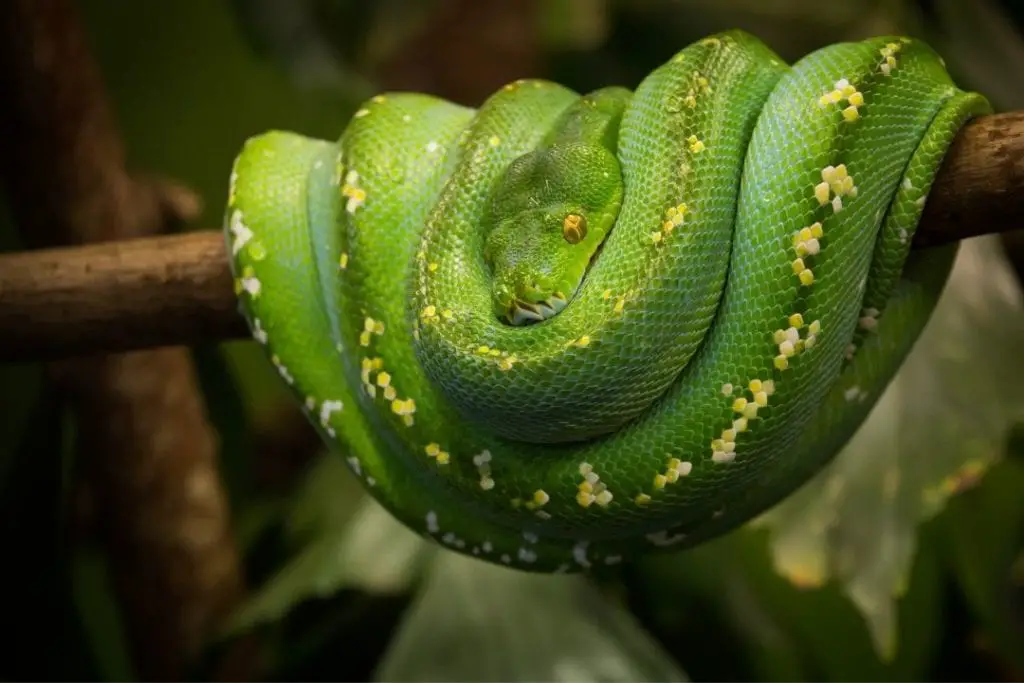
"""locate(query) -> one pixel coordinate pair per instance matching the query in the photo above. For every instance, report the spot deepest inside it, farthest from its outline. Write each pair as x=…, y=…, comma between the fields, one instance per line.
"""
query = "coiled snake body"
x=560, y=330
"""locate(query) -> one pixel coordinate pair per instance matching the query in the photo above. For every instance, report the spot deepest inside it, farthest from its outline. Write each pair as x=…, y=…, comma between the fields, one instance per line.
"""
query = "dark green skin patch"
x=572, y=179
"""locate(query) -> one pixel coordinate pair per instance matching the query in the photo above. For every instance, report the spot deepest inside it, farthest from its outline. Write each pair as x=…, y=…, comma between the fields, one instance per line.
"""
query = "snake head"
x=549, y=214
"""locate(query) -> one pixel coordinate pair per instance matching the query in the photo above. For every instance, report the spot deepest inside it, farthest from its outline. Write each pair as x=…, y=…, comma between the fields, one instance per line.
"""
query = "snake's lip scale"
x=524, y=312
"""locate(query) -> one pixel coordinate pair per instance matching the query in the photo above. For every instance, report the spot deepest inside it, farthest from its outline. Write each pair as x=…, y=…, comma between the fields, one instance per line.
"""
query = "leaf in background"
x=727, y=615
x=939, y=425
x=475, y=621
x=983, y=537
x=330, y=43
x=343, y=539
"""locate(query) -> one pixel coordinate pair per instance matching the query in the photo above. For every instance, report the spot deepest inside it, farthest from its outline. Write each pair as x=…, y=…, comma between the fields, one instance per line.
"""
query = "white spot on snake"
x=370, y=481
x=487, y=547
x=356, y=466
x=613, y=559
x=482, y=462
x=869, y=319
x=327, y=408
x=361, y=113
x=258, y=333
x=579, y=553
x=855, y=393
x=432, y=526
x=506, y=559
x=530, y=537
x=527, y=555
x=432, y=146
x=663, y=539
x=241, y=232
x=282, y=370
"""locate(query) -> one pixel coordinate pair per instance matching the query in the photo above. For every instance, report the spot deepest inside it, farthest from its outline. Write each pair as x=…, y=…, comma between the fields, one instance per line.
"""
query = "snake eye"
x=574, y=228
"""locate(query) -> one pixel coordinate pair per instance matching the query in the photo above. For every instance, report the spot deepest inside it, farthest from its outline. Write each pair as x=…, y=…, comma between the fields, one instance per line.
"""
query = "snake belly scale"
x=561, y=330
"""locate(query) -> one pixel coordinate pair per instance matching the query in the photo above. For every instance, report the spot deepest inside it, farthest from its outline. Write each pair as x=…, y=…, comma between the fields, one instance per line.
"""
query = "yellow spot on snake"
x=494, y=141
x=888, y=53
x=429, y=313
x=642, y=499
x=696, y=145
x=805, y=240
x=434, y=450
x=806, y=277
x=355, y=194
x=591, y=489
x=343, y=261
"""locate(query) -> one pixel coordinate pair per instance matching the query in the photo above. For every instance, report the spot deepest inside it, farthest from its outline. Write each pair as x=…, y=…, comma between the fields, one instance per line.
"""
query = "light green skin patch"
x=751, y=297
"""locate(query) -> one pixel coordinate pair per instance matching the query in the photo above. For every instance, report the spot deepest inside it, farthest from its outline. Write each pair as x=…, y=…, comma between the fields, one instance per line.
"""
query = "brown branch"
x=144, y=442
x=177, y=290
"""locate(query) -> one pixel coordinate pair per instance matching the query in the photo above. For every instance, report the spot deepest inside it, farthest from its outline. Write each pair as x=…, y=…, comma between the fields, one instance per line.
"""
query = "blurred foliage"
x=854, y=578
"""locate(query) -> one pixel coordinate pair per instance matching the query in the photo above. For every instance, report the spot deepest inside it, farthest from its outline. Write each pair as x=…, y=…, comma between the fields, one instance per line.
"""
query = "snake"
x=559, y=331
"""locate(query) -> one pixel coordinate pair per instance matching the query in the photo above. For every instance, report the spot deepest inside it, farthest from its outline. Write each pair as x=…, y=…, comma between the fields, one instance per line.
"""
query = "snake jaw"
x=526, y=312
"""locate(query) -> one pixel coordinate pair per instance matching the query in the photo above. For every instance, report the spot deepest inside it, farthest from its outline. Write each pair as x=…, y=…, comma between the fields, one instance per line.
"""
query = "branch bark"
x=144, y=443
x=178, y=290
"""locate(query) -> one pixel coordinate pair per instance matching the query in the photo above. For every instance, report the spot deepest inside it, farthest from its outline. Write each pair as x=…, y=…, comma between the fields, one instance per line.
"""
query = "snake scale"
x=560, y=330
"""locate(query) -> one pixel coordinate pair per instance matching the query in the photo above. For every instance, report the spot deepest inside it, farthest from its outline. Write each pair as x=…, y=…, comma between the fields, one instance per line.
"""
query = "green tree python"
x=559, y=330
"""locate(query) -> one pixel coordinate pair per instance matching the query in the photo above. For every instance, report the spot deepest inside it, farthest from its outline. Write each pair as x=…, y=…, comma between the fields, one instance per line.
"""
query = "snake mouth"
x=527, y=313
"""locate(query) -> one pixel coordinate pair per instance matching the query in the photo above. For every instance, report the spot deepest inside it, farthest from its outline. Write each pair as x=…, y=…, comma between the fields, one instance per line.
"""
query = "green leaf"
x=475, y=621
x=940, y=424
x=724, y=612
x=983, y=533
x=343, y=539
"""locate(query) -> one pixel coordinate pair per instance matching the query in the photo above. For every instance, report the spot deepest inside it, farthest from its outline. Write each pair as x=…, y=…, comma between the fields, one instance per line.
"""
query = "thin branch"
x=177, y=290
x=144, y=443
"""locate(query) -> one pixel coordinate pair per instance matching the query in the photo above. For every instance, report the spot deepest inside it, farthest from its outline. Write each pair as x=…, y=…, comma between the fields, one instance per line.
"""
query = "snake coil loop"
x=560, y=330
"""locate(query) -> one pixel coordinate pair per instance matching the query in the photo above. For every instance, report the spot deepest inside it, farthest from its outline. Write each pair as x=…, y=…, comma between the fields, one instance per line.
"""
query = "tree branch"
x=177, y=290
x=144, y=443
